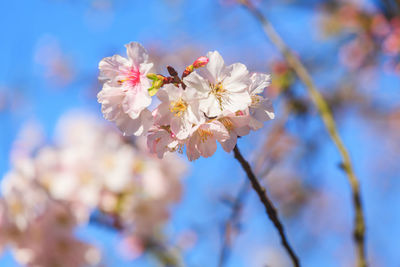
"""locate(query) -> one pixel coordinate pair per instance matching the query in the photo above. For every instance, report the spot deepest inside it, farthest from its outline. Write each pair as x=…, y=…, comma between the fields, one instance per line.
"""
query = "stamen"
x=255, y=101
x=132, y=77
x=218, y=90
x=178, y=107
x=227, y=123
x=204, y=134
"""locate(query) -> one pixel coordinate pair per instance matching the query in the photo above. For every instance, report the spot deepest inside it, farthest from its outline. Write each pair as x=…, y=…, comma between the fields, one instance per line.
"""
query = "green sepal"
x=153, y=90
x=152, y=76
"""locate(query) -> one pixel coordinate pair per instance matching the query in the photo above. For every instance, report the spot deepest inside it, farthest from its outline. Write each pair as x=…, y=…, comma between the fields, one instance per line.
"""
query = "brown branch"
x=269, y=207
x=233, y=221
x=234, y=218
x=327, y=118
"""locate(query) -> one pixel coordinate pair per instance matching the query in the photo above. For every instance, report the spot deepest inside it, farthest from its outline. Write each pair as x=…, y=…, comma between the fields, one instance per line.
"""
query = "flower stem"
x=327, y=118
x=269, y=207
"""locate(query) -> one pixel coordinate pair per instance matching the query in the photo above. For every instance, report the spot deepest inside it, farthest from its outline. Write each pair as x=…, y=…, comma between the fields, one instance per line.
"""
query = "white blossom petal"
x=136, y=53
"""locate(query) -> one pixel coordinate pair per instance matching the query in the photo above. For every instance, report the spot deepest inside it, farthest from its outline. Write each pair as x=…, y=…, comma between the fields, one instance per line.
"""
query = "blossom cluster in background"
x=209, y=102
x=90, y=175
x=373, y=31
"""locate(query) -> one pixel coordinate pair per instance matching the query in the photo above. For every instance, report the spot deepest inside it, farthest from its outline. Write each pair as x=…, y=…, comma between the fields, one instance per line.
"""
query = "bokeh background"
x=49, y=53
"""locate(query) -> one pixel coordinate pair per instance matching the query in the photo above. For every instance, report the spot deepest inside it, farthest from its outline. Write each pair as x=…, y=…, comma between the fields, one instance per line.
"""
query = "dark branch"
x=269, y=208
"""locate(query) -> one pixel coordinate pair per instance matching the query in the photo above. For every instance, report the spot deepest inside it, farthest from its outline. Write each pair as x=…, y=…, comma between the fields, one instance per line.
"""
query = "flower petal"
x=135, y=101
x=237, y=79
x=136, y=53
x=138, y=126
x=215, y=66
x=110, y=99
x=110, y=67
x=259, y=82
x=197, y=82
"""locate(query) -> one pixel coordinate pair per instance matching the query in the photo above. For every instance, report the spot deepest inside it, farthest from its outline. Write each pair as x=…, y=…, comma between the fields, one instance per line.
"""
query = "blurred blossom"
x=101, y=4
x=131, y=247
x=380, y=26
x=100, y=15
x=91, y=167
x=282, y=78
x=13, y=99
x=279, y=144
x=38, y=230
x=3, y=99
x=236, y=2
x=375, y=34
x=350, y=16
x=391, y=44
x=28, y=140
x=24, y=199
x=387, y=128
x=288, y=191
x=355, y=53
x=187, y=239
x=56, y=66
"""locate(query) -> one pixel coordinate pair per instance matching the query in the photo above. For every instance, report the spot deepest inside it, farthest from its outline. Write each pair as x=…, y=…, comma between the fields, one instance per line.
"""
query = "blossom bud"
x=172, y=71
x=158, y=82
x=187, y=71
x=152, y=90
x=168, y=80
x=200, y=62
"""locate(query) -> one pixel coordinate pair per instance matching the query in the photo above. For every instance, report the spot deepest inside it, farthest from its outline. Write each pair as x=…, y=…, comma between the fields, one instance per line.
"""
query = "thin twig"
x=232, y=222
x=269, y=207
x=327, y=117
x=234, y=218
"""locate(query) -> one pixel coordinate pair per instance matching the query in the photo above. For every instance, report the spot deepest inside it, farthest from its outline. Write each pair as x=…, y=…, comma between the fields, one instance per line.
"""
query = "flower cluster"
x=374, y=33
x=91, y=175
x=209, y=102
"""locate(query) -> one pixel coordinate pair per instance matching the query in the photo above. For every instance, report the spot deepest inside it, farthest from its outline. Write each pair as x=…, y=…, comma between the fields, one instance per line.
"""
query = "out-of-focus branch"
x=232, y=223
x=269, y=207
x=165, y=255
x=327, y=117
x=233, y=220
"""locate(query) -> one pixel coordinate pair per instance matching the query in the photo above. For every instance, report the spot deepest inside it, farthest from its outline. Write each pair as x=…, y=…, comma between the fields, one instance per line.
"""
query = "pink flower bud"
x=200, y=62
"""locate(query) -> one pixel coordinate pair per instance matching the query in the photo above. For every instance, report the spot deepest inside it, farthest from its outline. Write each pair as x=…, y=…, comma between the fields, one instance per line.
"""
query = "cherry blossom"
x=203, y=140
x=261, y=109
x=179, y=109
x=161, y=140
x=90, y=169
x=210, y=102
x=125, y=95
x=222, y=88
x=237, y=124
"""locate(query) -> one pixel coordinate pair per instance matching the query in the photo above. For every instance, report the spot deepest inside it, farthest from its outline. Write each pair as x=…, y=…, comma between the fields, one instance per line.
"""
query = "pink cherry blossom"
x=203, y=141
x=237, y=124
x=161, y=140
x=125, y=96
x=209, y=102
x=179, y=109
x=90, y=167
